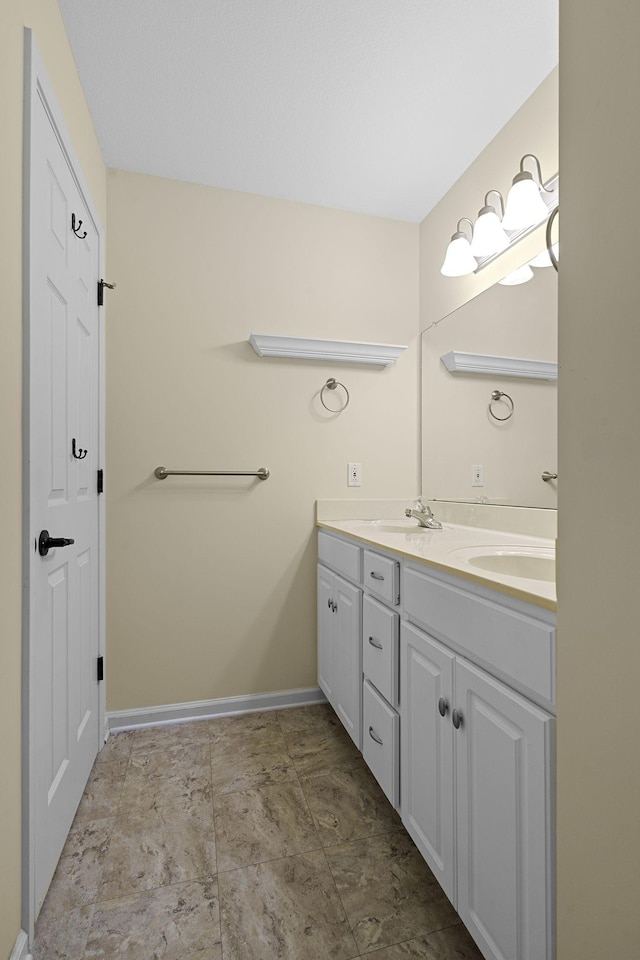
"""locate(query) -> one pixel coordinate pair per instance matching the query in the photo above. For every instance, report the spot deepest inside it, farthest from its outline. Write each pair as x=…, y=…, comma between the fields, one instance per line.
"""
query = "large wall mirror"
x=458, y=431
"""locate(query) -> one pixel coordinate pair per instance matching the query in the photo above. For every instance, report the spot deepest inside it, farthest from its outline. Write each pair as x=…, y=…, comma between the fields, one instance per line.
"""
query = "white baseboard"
x=206, y=709
x=21, y=948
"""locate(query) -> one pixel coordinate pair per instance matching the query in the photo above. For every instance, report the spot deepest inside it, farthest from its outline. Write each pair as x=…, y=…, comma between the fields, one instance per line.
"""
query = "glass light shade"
x=543, y=259
x=525, y=206
x=521, y=275
x=488, y=235
x=459, y=260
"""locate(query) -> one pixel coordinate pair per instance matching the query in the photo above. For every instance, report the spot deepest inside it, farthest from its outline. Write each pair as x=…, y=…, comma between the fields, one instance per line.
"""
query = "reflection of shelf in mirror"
x=305, y=348
x=457, y=362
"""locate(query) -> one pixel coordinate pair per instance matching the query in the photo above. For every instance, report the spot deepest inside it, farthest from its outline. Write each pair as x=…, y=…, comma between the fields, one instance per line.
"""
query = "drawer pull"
x=443, y=706
x=374, y=736
x=456, y=716
x=376, y=576
x=374, y=643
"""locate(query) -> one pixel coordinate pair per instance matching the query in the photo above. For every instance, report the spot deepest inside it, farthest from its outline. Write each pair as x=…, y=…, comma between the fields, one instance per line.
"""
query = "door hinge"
x=100, y=672
x=101, y=285
x=100, y=481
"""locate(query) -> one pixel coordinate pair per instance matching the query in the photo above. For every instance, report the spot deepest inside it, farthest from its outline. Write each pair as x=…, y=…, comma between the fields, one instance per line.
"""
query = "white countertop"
x=451, y=548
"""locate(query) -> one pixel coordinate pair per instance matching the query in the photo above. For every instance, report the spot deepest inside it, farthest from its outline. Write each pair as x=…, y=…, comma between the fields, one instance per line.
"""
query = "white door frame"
x=39, y=87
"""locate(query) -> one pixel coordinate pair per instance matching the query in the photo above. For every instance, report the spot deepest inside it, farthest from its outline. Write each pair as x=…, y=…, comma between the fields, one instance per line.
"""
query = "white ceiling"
x=375, y=106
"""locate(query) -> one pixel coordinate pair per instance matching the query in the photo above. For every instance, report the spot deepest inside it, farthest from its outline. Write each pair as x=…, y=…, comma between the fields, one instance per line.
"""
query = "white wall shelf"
x=305, y=348
x=457, y=362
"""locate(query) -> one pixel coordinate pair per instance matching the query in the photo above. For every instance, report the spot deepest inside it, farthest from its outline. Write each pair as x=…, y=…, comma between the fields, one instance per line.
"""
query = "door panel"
x=64, y=585
x=426, y=794
x=348, y=647
x=503, y=812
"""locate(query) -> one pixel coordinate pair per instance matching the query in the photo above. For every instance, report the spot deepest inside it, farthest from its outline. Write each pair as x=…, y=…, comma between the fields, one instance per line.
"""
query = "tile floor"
x=255, y=837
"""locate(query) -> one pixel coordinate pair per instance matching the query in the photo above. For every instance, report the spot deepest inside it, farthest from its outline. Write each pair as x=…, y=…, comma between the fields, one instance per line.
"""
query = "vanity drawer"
x=511, y=644
x=380, y=648
x=382, y=577
x=345, y=558
x=380, y=741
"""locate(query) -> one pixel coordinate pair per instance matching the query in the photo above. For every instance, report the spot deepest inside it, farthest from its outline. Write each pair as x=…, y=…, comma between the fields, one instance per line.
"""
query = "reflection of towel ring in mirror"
x=331, y=384
x=499, y=395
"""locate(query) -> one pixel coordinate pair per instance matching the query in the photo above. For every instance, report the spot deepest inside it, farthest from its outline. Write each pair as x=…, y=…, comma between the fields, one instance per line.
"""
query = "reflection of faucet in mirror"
x=423, y=514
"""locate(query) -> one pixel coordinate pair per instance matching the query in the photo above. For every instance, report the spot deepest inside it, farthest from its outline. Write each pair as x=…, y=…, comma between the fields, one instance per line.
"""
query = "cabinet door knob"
x=456, y=716
x=443, y=706
x=329, y=604
x=374, y=736
x=374, y=643
x=376, y=576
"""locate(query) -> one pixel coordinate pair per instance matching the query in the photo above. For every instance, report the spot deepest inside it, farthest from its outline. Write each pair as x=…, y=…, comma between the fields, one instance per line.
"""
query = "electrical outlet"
x=477, y=475
x=354, y=475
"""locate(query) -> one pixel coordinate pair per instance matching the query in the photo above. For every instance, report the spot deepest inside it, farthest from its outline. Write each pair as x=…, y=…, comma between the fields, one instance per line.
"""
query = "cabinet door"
x=326, y=646
x=348, y=657
x=426, y=790
x=504, y=809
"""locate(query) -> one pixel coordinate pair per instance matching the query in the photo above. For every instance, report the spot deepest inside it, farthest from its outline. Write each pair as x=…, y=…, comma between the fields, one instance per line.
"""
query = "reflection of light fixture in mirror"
x=459, y=260
x=525, y=206
x=543, y=259
x=488, y=235
x=521, y=275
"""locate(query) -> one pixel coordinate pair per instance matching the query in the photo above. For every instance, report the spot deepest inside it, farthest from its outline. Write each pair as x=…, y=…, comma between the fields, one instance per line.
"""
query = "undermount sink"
x=530, y=563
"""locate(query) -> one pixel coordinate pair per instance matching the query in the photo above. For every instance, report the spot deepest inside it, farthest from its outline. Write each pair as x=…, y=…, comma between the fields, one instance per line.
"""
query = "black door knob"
x=46, y=543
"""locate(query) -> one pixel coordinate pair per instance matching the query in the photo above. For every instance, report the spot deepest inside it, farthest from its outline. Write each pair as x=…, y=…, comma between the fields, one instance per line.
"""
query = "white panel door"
x=426, y=791
x=503, y=818
x=64, y=412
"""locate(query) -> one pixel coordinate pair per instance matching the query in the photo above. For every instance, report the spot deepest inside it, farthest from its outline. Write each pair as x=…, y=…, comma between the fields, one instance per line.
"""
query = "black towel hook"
x=78, y=454
x=76, y=227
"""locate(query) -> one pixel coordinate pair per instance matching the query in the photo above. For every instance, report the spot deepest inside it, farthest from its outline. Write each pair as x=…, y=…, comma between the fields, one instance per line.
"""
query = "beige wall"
x=456, y=429
x=44, y=17
x=211, y=582
x=599, y=529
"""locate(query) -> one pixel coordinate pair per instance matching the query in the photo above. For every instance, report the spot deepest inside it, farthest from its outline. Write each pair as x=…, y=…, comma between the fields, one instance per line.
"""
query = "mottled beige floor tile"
x=244, y=726
x=78, y=875
x=179, y=922
x=388, y=892
x=169, y=845
x=177, y=773
x=454, y=943
x=285, y=909
x=153, y=739
x=349, y=805
x=241, y=767
x=62, y=936
x=263, y=824
x=322, y=752
x=117, y=747
x=258, y=737
x=89, y=837
x=101, y=796
x=317, y=716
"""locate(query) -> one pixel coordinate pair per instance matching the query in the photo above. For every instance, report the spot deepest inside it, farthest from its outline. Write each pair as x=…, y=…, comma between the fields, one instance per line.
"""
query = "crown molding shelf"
x=345, y=351
x=457, y=362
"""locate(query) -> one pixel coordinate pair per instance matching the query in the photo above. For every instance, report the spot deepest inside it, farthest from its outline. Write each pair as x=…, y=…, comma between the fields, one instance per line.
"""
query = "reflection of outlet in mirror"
x=477, y=475
x=354, y=476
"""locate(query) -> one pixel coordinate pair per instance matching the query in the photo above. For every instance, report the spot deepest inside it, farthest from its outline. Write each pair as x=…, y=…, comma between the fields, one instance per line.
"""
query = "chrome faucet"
x=423, y=514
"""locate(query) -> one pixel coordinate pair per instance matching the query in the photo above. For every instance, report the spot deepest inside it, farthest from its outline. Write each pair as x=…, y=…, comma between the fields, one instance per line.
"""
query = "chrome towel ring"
x=500, y=395
x=331, y=384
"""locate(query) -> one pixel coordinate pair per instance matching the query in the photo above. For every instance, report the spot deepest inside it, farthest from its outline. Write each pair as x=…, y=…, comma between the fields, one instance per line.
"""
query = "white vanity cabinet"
x=476, y=796
x=457, y=688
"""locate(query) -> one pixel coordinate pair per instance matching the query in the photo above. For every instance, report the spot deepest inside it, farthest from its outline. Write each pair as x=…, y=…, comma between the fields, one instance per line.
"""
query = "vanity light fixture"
x=525, y=206
x=521, y=275
x=488, y=233
x=459, y=260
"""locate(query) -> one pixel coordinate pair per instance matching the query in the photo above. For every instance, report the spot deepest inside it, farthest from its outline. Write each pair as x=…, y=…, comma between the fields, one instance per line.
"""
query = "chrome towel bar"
x=162, y=473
